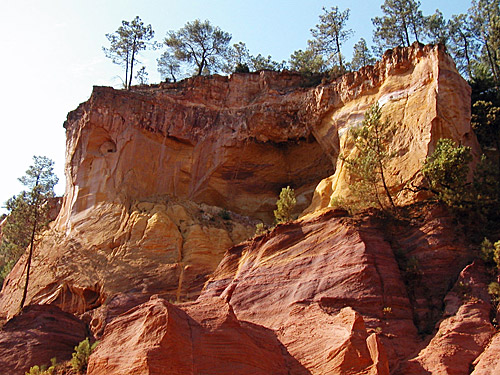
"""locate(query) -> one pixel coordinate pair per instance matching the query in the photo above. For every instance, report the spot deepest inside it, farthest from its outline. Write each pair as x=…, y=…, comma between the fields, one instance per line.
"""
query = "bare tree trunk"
x=340, y=55
x=28, y=262
x=126, y=71
x=131, y=65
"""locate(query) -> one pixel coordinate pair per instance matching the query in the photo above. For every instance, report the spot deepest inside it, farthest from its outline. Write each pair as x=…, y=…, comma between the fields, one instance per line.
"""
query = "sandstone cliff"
x=162, y=180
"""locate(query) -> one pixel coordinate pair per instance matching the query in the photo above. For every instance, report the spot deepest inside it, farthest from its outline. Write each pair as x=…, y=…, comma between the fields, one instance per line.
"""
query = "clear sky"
x=52, y=56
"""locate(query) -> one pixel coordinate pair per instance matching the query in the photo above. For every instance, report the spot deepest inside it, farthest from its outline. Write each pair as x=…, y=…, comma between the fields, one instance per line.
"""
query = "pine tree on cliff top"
x=126, y=43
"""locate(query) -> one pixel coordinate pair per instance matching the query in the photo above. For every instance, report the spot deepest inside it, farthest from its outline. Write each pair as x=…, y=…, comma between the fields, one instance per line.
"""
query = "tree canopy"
x=201, y=45
x=330, y=34
x=28, y=213
x=361, y=55
x=401, y=24
x=126, y=43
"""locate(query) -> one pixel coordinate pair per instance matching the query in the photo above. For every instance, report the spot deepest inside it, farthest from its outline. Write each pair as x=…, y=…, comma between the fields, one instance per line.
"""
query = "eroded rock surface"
x=301, y=275
x=162, y=180
x=420, y=92
x=165, y=247
x=464, y=331
x=36, y=335
x=160, y=338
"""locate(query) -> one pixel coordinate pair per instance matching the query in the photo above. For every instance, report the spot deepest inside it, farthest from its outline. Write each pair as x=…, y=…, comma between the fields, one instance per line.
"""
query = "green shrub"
x=260, y=228
x=43, y=370
x=81, y=356
x=494, y=291
x=490, y=252
x=286, y=204
x=446, y=172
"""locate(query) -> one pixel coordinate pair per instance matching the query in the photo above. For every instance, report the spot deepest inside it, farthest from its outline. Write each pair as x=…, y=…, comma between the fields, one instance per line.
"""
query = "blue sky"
x=52, y=56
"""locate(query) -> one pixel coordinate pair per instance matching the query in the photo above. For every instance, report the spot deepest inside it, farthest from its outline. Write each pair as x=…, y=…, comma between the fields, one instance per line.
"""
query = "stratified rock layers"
x=162, y=180
x=36, y=335
x=328, y=290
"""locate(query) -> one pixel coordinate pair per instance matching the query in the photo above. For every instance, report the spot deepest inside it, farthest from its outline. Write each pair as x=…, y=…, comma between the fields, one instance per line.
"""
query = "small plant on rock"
x=260, y=228
x=43, y=370
x=81, y=356
x=225, y=214
x=490, y=252
x=494, y=291
x=286, y=204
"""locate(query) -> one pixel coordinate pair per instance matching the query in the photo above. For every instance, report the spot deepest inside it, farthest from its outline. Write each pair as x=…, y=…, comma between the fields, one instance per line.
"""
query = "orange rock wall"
x=419, y=91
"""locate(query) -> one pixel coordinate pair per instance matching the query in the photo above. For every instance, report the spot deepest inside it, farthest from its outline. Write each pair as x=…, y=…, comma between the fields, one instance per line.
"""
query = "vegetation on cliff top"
x=200, y=48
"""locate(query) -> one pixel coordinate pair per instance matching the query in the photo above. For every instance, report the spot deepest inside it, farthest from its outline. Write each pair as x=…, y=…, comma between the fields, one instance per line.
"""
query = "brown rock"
x=463, y=333
x=488, y=363
x=166, y=248
x=36, y=335
x=300, y=276
x=160, y=338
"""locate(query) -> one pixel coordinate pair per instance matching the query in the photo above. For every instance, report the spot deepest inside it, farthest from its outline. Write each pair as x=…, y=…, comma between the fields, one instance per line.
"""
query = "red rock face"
x=36, y=335
x=151, y=173
x=464, y=330
x=298, y=278
x=159, y=338
x=322, y=295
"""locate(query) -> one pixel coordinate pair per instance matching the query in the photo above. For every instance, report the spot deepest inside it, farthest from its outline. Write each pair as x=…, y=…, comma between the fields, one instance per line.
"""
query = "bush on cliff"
x=285, y=203
x=43, y=370
x=81, y=356
x=369, y=162
x=447, y=171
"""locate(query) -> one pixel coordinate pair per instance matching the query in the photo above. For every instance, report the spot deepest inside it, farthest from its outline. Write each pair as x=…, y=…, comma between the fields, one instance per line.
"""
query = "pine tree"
x=28, y=211
x=201, y=45
x=402, y=23
x=361, y=55
x=126, y=43
x=331, y=33
x=285, y=204
x=369, y=161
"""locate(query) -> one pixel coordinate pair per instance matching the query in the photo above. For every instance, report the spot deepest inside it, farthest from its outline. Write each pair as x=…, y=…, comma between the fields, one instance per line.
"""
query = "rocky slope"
x=162, y=180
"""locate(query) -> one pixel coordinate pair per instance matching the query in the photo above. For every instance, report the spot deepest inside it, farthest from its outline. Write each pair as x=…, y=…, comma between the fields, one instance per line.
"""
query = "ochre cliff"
x=419, y=91
x=153, y=247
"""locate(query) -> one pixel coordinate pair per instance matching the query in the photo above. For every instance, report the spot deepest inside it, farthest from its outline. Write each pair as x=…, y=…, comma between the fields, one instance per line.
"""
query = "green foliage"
x=361, y=55
x=486, y=122
x=80, y=357
x=446, y=172
x=331, y=33
x=368, y=162
x=260, y=228
x=462, y=44
x=260, y=62
x=436, y=28
x=142, y=76
x=401, y=24
x=43, y=370
x=484, y=22
x=490, y=253
x=225, y=214
x=28, y=214
x=286, y=204
x=168, y=66
x=307, y=62
x=201, y=45
x=494, y=291
x=126, y=43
